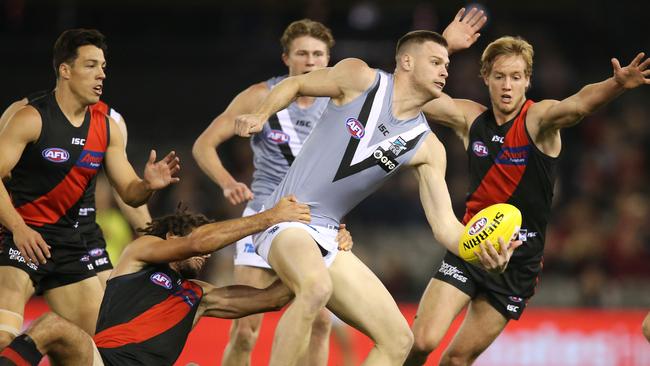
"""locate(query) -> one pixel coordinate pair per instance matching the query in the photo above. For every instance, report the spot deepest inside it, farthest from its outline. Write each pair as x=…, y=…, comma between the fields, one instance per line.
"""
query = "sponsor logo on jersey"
x=384, y=160
x=303, y=123
x=249, y=248
x=384, y=131
x=478, y=226
x=101, y=261
x=15, y=255
x=273, y=229
x=96, y=252
x=397, y=146
x=161, y=279
x=277, y=137
x=56, y=155
x=479, y=149
x=524, y=234
x=452, y=271
x=90, y=159
x=355, y=128
x=513, y=155
x=85, y=258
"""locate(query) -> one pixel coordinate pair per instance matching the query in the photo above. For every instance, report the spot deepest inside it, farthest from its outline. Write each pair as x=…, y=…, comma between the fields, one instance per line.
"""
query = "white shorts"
x=325, y=237
x=245, y=254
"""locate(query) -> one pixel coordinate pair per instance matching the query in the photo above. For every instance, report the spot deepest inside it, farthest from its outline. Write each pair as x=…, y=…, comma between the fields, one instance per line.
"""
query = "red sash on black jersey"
x=50, y=207
x=505, y=174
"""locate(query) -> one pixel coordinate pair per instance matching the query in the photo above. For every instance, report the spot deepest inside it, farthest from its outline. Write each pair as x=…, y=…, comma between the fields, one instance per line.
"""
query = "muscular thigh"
x=375, y=313
x=78, y=302
x=439, y=306
x=482, y=324
x=296, y=258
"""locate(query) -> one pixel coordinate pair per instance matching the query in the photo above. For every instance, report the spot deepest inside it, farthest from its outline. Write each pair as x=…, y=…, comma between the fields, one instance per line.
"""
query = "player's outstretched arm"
x=133, y=190
x=342, y=82
x=220, y=130
x=238, y=301
x=552, y=115
x=463, y=31
x=210, y=237
x=430, y=164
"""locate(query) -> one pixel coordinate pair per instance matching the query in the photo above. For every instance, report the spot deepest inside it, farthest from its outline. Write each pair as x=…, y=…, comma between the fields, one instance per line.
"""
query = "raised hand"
x=344, y=239
x=633, y=75
x=237, y=193
x=249, y=124
x=493, y=261
x=289, y=209
x=462, y=32
x=160, y=174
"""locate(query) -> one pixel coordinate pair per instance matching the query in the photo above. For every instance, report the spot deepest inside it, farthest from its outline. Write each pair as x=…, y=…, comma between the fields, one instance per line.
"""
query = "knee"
x=314, y=293
x=244, y=335
x=322, y=325
x=400, y=343
x=424, y=342
x=453, y=358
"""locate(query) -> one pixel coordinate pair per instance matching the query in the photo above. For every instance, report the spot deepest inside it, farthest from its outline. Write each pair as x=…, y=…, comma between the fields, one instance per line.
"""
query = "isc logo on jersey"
x=162, y=280
x=355, y=128
x=56, y=155
x=277, y=137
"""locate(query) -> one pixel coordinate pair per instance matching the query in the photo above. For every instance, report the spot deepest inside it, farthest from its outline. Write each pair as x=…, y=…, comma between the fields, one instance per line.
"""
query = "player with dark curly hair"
x=152, y=300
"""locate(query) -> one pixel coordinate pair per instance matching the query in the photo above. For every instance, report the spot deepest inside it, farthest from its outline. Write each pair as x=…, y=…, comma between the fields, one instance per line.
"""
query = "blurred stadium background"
x=173, y=66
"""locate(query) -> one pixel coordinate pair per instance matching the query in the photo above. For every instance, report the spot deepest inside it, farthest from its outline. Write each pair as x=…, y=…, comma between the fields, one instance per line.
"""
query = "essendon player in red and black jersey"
x=152, y=301
x=53, y=148
x=90, y=231
x=512, y=149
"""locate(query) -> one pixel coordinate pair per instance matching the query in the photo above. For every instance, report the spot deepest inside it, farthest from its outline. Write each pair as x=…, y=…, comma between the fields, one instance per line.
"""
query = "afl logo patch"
x=162, y=280
x=479, y=149
x=355, y=128
x=96, y=252
x=56, y=155
x=478, y=226
x=277, y=137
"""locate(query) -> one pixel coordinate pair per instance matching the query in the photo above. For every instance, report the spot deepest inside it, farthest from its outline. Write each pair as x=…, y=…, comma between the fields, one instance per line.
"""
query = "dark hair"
x=65, y=47
x=419, y=37
x=181, y=223
x=306, y=27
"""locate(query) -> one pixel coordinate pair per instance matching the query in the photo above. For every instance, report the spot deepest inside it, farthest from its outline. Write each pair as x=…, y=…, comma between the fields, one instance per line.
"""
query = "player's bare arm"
x=430, y=163
x=463, y=31
x=546, y=118
x=23, y=128
x=10, y=111
x=457, y=114
x=342, y=82
x=238, y=301
x=133, y=190
x=207, y=238
x=220, y=130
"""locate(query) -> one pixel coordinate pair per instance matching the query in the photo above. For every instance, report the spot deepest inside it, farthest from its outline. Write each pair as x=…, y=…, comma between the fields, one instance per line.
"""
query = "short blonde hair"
x=507, y=45
x=306, y=27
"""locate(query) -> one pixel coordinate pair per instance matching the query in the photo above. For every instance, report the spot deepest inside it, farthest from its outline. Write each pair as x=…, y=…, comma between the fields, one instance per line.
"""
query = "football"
x=499, y=220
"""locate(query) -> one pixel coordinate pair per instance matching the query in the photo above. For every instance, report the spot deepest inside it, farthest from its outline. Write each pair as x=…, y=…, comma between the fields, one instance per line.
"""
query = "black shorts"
x=70, y=262
x=508, y=292
x=94, y=240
